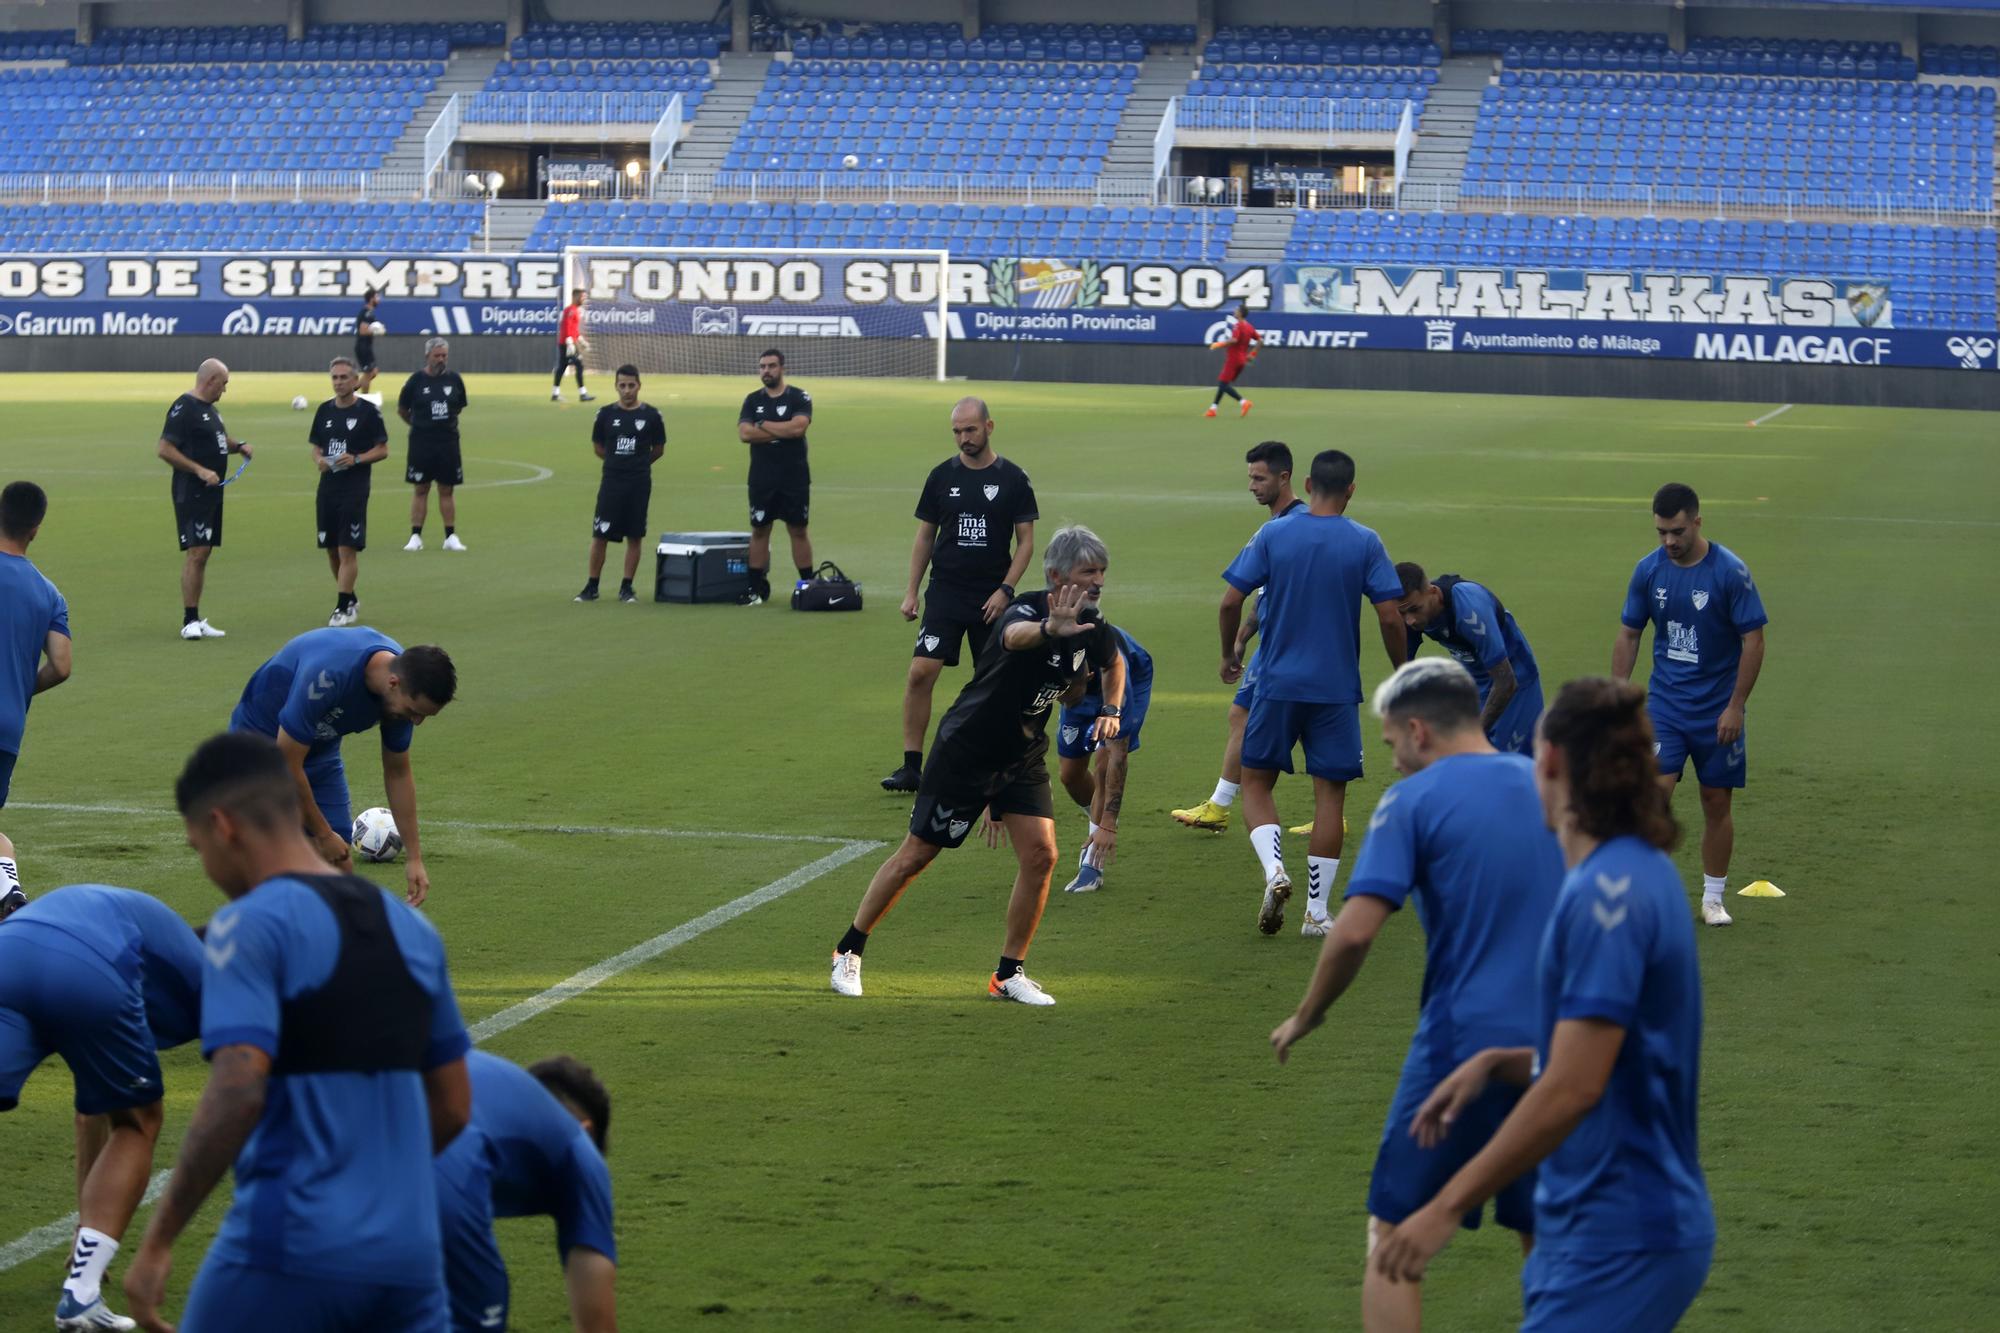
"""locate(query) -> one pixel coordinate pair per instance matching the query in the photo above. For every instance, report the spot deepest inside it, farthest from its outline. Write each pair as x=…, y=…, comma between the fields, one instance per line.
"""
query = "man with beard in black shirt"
x=364, y=338
x=430, y=403
x=348, y=439
x=196, y=445
x=990, y=754
x=970, y=504
x=629, y=436
x=773, y=423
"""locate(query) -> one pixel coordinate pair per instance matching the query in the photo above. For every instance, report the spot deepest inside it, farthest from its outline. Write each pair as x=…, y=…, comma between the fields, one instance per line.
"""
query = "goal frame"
x=941, y=258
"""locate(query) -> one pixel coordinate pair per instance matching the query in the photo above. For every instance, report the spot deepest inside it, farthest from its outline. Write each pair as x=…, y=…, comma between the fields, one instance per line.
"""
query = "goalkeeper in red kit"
x=1242, y=342
x=570, y=347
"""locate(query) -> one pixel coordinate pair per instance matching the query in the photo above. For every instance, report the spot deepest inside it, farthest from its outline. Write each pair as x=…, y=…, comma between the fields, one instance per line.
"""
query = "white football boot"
x=847, y=973
x=1018, y=989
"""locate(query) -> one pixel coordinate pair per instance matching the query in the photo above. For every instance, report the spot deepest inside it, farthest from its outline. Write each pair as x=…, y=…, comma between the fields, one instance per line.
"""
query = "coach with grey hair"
x=430, y=403
x=196, y=445
x=990, y=756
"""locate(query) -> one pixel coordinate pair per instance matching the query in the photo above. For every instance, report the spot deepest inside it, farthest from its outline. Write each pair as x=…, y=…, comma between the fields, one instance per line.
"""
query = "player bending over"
x=1270, y=465
x=1101, y=793
x=629, y=436
x=430, y=404
x=1463, y=834
x=1242, y=344
x=330, y=683
x=1624, y=1232
x=105, y=978
x=570, y=347
x=989, y=757
x=34, y=626
x=1480, y=634
x=535, y=1148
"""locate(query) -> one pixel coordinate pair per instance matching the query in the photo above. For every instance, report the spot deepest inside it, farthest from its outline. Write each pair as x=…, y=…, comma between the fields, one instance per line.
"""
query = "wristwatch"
x=1110, y=710
x=1046, y=636
x=1008, y=588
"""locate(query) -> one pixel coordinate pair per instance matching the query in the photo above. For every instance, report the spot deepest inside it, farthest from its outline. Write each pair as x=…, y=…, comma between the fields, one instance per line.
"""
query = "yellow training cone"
x=1763, y=888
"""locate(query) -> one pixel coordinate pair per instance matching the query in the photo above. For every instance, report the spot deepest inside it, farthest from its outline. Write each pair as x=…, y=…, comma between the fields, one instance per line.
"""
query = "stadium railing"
x=667, y=135
x=1669, y=200
x=98, y=187
x=439, y=138
x=1291, y=120
x=533, y=114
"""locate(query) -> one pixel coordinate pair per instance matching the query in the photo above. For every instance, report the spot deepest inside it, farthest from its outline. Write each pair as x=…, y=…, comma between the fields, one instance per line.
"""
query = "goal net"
x=694, y=310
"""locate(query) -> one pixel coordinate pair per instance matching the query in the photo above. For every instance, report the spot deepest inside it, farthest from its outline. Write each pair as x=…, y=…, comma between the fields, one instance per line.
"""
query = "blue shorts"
x=1639, y=1291
x=328, y=777
x=1514, y=730
x=59, y=998
x=1408, y=1176
x=1246, y=689
x=1331, y=734
x=475, y=1277
x=1677, y=740
x=7, y=758
x=231, y=1297
x=1073, y=734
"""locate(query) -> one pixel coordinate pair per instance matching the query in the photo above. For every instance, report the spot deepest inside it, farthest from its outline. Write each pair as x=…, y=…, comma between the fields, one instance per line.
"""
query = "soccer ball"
x=375, y=837
x=299, y=403
x=376, y=330
x=850, y=161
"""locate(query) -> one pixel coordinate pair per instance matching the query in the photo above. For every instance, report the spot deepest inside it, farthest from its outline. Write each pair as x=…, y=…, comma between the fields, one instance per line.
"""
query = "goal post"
x=710, y=310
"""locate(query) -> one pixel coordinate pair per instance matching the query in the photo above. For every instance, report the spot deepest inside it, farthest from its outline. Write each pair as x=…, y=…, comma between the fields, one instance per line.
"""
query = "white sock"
x=1712, y=886
x=1083, y=857
x=1264, y=840
x=1225, y=792
x=1320, y=874
x=10, y=874
x=87, y=1262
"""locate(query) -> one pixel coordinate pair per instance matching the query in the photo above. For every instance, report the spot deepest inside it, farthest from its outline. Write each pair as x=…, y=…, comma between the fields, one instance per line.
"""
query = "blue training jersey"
x=1620, y=948
x=335, y=1181
x=1316, y=570
x=30, y=607
x=1138, y=668
x=119, y=926
x=530, y=1156
x=313, y=688
x=1467, y=838
x=1699, y=617
x=1480, y=635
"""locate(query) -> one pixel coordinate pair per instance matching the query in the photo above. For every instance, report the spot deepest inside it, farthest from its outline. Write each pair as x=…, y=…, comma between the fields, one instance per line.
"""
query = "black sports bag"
x=827, y=590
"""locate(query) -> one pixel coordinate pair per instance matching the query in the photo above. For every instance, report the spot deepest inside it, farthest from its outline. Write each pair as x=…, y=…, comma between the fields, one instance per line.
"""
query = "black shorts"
x=955, y=792
x=435, y=460
x=343, y=519
x=947, y=619
x=364, y=355
x=199, y=517
x=780, y=500
x=621, y=509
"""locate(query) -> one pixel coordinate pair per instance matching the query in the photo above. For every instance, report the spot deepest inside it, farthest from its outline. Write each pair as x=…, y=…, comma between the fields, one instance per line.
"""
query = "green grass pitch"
x=1133, y=1158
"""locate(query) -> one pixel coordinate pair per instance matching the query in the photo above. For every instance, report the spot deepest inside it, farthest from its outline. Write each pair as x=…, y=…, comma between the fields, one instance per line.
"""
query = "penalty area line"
x=1777, y=412
x=57, y=1233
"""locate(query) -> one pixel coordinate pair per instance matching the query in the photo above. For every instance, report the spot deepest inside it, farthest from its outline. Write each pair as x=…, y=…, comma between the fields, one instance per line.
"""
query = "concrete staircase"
x=738, y=80
x=1160, y=77
x=1444, y=136
x=1260, y=235
x=510, y=222
x=466, y=72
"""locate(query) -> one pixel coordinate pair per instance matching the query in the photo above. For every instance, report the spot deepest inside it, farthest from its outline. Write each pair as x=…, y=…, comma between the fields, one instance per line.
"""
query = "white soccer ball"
x=375, y=837
x=376, y=330
x=299, y=403
x=850, y=161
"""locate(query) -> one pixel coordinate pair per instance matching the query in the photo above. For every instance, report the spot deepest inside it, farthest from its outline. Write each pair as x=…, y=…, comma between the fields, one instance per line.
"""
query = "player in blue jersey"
x=535, y=1148
x=330, y=683
x=104, y=978
x=1462, y=833
x=337, y=1068
x=1270, y=467
x=1101, y=793
x=1316, y=568
x=1470, y=622
x=1708, y=647
x=1623, y=1228
x=34, y=646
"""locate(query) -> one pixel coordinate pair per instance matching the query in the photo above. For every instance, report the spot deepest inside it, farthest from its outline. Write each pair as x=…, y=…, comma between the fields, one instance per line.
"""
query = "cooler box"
x=702, y=567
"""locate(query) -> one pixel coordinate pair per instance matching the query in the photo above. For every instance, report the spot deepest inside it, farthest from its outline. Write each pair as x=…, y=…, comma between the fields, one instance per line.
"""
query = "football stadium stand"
x=152, y=228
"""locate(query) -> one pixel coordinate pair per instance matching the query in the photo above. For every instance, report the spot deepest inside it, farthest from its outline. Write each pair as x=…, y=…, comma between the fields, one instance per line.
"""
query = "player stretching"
x=34, y=625
x=1317, y=568
x=629, y=436
x=1101, y=794
x=103, y=977
x=773, y=422
x=336, y=1069
x=970, y=505
x=364, y=338
x=535, y=1148
x=348, y=438
x=989, y=757
x=1242, y=342
x=1271, y=486
x=430, y=403
x=1480, y=634
x=570, y=347
x=1708, y=646
x=1623, y=1227
x=196, y=445
x=1463, y=833
x=330, y=683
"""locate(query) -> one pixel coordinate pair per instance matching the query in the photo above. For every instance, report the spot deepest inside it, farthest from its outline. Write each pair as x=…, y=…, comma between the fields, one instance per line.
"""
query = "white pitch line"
x=541, y=474
x=1775, y=413
x=57, y=1233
